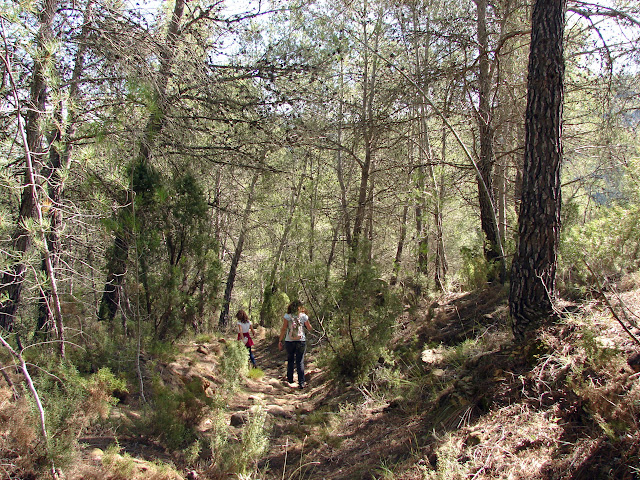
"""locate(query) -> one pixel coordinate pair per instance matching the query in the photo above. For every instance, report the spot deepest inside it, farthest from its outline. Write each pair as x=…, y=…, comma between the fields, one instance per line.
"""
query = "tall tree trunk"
x=369, y=85
x=295, y=196
x=39, y=217
x=313, y=202
x=332, y=252
x=235, y=260
x=485, y=163
x=426, y=171
x=441, y=265
x=421, y=226
x=344, y=204
x=60, y=161
x=13, y=280
x=370, y=213
x=52, y=174
x=534, y=266
x=501, y=192
x=118, y=258
x=397, y=262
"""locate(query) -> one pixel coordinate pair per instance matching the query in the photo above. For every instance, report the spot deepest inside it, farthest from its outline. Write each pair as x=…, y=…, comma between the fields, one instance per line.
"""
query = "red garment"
x=249, y=342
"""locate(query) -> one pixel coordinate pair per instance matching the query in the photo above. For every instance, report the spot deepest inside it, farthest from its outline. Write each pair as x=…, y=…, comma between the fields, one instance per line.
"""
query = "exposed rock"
x=96, y=454
x=634, y=362
x=277, y=411
x=238, y=419
x=431, y=355
x=205, y=425
x=202, y=350
x=178, y=369
x=274, y=382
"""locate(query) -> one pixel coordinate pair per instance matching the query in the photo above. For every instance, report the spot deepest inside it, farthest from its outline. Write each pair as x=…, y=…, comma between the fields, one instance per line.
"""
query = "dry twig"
x=609, y=306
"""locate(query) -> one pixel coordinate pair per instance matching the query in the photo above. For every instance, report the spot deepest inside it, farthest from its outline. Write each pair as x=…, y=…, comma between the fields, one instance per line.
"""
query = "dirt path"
x=286, y=405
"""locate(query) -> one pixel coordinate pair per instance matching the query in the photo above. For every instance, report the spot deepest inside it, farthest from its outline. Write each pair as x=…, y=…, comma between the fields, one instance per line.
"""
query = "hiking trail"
x=285, y=404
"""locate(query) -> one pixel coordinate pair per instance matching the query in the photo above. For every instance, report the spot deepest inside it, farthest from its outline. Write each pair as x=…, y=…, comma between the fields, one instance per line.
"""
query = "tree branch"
x=609, y=306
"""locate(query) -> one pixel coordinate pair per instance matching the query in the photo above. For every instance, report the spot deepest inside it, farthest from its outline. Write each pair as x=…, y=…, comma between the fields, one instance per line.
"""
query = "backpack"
x=295, y=328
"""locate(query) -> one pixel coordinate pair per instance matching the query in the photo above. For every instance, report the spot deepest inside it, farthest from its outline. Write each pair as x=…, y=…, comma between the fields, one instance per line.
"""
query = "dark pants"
x=251, y=357
x=295, y=352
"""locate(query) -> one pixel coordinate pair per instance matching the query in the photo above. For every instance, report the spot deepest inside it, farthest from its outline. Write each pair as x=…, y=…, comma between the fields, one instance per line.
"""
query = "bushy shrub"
x=253, y=441
x=22, y=454
x=106, y=348
x=234, y=364
x=71, y=403
x=122, y=466
x=175, y=413
x=238, y=458
x=361, y=326
x=609, y=244
x=474, y=270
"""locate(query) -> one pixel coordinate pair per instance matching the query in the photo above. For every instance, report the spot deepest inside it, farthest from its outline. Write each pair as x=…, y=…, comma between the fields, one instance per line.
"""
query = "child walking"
x=245, y=332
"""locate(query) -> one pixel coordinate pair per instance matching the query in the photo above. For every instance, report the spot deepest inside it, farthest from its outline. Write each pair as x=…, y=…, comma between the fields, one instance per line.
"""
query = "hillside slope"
x=462, y=400
x=455, y=398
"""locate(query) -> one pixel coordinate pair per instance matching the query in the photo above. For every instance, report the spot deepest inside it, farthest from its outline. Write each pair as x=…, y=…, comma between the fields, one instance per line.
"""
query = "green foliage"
x=178, y=257
x=597, y=353
x=106, y=349
x=218, y=437
x=361, y=327
x=72, y=403
x=457, y=355
x=122, y=466
x=189, y=204
x=163, y=351
x=204, y=338
x=176, y=413
x=609, y=244
x=255, y=373
x=237, y=458
x=234, y=364
x=474, y=270
x=274, y=304
x=253, y=441
x=145, y=181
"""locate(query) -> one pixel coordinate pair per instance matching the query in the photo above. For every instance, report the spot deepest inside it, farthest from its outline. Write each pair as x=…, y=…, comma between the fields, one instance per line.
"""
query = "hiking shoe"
x=302, y=385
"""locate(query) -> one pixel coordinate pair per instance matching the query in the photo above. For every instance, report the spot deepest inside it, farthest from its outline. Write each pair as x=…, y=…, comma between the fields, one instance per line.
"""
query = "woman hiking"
x=293, y=334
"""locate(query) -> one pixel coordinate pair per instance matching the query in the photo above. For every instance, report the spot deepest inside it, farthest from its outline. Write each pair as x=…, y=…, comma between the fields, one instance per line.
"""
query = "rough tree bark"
x=534, y=266
x=13, y=280
x=39, y=217
x=60, y=151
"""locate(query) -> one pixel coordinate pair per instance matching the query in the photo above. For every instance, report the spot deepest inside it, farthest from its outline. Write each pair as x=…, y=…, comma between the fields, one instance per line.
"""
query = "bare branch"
x=608, y=304
x=589, y=10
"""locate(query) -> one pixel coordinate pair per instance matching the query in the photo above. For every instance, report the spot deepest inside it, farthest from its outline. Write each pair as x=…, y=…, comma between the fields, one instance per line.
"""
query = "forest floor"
x=461, y=400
